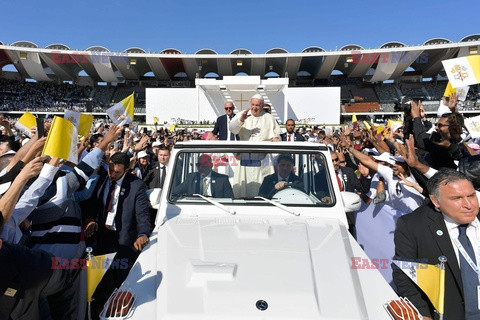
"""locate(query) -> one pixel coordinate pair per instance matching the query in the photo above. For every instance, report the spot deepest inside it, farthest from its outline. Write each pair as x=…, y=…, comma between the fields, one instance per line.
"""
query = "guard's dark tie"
x=469, y=277
x=110, y=197
x=162, y=178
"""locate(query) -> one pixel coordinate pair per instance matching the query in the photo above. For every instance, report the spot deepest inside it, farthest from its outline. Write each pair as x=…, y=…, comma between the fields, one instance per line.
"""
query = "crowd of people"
x=42, y=96
x=423, y=175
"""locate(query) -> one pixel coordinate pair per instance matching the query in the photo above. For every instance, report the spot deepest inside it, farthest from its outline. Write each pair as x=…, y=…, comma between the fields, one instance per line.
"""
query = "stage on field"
x=206, y=100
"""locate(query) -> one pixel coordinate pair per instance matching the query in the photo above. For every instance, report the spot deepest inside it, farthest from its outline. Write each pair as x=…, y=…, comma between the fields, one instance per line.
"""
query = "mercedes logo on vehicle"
x=262, y=305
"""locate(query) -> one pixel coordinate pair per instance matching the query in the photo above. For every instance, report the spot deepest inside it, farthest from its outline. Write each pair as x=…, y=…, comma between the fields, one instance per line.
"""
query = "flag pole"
x=443, y=261
x=89, y=250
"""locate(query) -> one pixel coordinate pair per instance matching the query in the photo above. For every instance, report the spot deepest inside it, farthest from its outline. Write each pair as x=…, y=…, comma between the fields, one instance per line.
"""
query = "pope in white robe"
x=254, y=125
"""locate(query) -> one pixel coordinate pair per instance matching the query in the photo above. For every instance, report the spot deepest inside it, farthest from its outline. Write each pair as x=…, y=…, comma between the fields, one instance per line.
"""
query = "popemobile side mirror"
x=351, y=201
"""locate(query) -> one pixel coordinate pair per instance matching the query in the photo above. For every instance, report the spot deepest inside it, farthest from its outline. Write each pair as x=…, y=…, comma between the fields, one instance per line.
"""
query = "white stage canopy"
x=205, y=102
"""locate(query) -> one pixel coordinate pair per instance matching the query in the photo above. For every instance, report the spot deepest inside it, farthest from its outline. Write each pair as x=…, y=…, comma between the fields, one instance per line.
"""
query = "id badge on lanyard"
x=472, y=265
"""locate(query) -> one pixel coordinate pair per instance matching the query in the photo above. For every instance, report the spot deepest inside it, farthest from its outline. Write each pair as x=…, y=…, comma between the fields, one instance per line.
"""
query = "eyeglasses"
x=334, y=159
x=229, y=108
x=441, y=125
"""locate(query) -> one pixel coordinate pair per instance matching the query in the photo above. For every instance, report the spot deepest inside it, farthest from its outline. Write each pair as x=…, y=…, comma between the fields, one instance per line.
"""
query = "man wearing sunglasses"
x=222, y=126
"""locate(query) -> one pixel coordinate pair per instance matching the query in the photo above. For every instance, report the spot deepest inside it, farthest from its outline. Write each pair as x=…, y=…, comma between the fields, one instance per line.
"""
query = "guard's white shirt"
x=473, y=234
x=110, y=221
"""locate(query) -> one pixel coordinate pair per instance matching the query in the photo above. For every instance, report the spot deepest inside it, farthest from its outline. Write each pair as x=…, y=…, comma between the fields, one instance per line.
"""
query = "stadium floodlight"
x=473, y=50
x=349, y=59
x=23, y=55
x=239, y=63
x=133, y=61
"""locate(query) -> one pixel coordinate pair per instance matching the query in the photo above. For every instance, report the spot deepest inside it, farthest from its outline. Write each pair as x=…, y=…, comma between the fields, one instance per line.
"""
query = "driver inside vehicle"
x=284, y=177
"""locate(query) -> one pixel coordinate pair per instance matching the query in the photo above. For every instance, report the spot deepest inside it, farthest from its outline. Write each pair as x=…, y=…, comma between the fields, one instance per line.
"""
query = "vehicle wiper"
x=216, y=203
x=244, y=198
x=279, y=205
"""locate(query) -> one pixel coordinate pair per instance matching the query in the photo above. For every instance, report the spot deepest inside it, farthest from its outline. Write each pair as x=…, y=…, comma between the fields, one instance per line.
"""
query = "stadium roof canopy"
x=57, y=62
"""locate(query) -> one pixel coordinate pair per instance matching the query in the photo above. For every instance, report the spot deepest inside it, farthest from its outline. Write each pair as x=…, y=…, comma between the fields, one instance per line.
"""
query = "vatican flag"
x=62, y=140
x=380, y=129
x=97, y=266
x=354, y=117
x=394, y=125
x=72, y=116
x=83, y=122
x=430, y=278
x=460, y=91
x=367, y=125
x=85, y=125
x=122, y=112
x=26, y=122
x=463, y=71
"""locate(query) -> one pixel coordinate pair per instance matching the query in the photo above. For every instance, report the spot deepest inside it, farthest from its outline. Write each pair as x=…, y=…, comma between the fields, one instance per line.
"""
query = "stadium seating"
x=356, y=95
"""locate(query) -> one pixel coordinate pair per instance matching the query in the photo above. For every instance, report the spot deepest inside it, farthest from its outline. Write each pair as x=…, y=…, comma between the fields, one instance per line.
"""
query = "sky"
x=226, y=25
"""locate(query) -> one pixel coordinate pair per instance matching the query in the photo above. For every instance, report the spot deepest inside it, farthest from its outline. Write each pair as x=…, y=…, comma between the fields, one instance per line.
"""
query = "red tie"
x=289, y=137
x=339, y=182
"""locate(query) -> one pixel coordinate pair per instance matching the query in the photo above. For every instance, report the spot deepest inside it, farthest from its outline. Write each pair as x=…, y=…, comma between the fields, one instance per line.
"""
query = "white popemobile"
x=284, y=256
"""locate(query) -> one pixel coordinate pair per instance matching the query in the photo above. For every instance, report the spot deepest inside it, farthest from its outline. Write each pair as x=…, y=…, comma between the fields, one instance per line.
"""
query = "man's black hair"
x=12, y=144
x=5, y=160
x=443, y=177
x=285, y=157
x=94, y=138
x=121, y=158
x=163, y=147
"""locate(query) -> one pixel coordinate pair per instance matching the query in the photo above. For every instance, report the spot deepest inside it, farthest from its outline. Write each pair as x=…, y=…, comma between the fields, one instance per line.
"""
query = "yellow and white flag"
x=122, y=112
x=62, y=140
x=83, y=122
x=96, y=268
x=394, y=124
x=460, y=91
x=72, y=116
x=463, y=71
x=380, y=128
x=473, y=126
x=86, y=121
x=367, y=125
x=430, y=278
x=26, y=122
x=354, y=117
